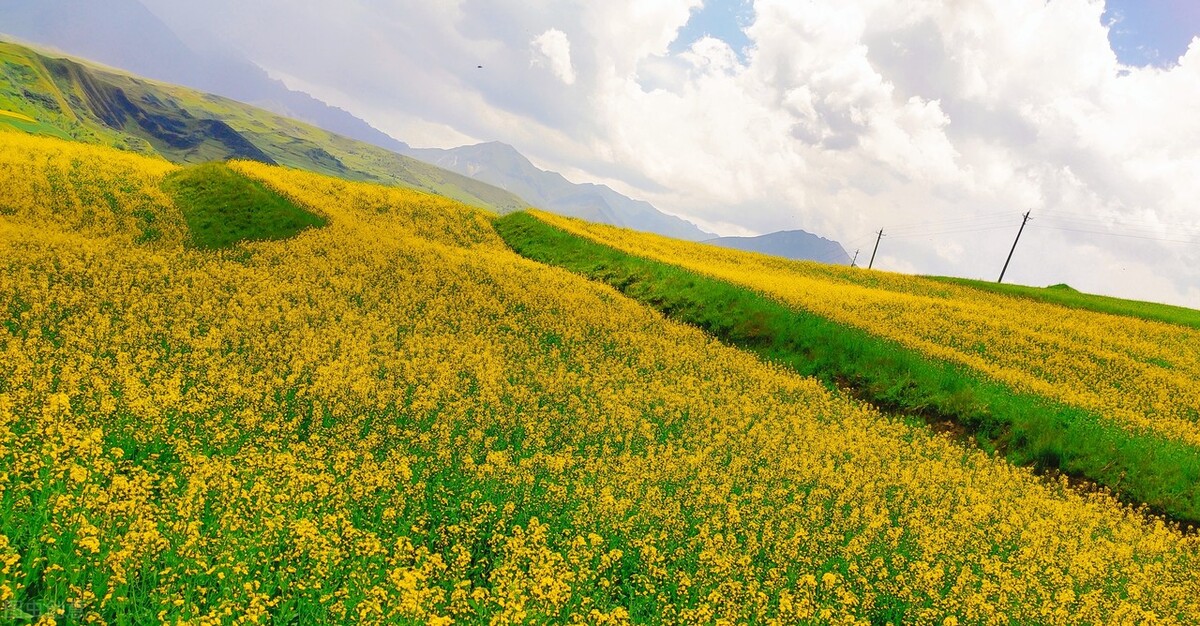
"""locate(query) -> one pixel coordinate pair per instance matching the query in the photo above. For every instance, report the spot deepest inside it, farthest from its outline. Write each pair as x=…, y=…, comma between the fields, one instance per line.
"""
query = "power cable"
x=1112, y=234
x=982, y=218
x=1128, y=223
x=1133, y=230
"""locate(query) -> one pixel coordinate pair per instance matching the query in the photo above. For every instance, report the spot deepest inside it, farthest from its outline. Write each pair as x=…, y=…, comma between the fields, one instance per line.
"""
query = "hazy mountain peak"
x=791, y=244
x=499, y=150
x=498, y=146
x=502, y=165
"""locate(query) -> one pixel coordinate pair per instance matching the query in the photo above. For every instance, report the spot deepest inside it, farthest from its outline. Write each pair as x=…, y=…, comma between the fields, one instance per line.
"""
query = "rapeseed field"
x=1141, y=374
x=394, y=419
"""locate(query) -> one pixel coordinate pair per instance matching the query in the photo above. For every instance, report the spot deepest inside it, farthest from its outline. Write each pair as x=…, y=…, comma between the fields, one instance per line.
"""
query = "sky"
x=940, y=122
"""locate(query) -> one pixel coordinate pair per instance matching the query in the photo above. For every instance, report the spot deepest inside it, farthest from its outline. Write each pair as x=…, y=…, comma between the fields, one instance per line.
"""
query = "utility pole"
x=872, y=263
x=1014, y=248
x=855, y=260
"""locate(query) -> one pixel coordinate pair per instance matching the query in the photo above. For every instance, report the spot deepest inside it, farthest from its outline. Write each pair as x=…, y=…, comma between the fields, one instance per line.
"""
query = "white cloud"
x=552, y=50
x=711, y=55
x=846, y=116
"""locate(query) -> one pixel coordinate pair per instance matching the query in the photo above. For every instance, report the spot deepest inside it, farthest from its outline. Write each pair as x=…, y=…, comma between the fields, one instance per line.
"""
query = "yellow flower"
x=396, y=419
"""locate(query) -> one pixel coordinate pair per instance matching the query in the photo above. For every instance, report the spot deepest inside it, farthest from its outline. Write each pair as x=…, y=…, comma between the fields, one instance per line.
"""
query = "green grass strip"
x=1064, y=295
x=1028, y=429
x=222, y=207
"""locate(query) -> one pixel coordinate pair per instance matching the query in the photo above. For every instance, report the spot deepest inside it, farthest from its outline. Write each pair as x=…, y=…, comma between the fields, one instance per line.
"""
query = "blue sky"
x=1143, y=33
x=1151, y=32
x=722, y=19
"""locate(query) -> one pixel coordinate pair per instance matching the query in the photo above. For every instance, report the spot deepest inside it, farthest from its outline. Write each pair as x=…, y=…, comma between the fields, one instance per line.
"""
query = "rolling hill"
x=1110, y=399
x=235, y=392
x=388, y=416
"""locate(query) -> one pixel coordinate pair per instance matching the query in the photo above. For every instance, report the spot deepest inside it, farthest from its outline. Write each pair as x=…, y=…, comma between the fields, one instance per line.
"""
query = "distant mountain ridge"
x=790, y=244
x=126, y=35
x=502, y=165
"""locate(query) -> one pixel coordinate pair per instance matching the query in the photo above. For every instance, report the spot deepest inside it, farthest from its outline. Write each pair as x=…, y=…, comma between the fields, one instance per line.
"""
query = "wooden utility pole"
x=854, y=260
x=1014, y=247
x=872, y=263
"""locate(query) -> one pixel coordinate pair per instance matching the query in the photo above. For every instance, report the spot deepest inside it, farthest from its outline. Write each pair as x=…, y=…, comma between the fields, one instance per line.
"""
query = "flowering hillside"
x=394, y=418
x=1141, y=374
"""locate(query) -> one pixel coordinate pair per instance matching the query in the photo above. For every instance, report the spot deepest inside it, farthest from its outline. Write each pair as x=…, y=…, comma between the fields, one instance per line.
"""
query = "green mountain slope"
x=72, y=99
x=125, y=34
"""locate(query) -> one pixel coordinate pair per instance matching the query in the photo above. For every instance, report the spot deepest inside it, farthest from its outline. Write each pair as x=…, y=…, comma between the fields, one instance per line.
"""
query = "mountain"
x=501, y=165
x=790, y=244
x=64, y=97
x=126, y=35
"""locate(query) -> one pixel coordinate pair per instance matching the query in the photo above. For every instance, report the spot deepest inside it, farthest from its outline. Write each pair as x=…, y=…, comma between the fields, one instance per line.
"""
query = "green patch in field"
x=222, y=208
x=150, y=232
x=1140, y=468
x=1163, y=363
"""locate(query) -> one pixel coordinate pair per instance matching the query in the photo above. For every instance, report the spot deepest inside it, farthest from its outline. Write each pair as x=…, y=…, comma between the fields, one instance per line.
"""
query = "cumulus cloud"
x=939, y=122
x=552, y=50
x=712, y=55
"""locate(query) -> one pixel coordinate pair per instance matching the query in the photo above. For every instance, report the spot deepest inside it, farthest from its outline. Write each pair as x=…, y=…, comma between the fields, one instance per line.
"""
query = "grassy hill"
x=394, y=418
x=1137, y=372
x=1143, y=468
x=72, y=99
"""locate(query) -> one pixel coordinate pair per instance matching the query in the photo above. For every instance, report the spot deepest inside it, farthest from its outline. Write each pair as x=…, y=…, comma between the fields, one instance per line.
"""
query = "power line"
x=1131, y=230
x=1060, y=220
x=969, y=216
x=828, y=257
x=982, y=218
x=1157, y=232
x=1118, y=220
x=952, y=232
x=1112, y=234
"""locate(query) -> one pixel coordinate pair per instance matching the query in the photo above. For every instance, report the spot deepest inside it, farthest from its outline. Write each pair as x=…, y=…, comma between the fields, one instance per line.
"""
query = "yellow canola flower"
x=1141, y=374
x=395, y=419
